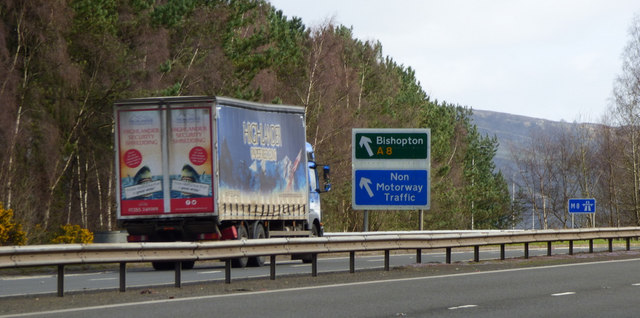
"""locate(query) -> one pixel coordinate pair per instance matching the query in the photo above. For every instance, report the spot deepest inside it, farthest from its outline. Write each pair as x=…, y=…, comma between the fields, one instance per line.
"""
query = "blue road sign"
x=582, y=205
x=391, y=188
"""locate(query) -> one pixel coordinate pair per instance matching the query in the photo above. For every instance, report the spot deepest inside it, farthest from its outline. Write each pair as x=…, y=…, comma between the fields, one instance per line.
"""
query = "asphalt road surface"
x=142, y=275
x=591, y=289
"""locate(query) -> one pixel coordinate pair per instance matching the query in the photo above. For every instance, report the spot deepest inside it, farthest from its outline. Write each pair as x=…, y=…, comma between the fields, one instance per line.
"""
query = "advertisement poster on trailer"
x=140, y=149
x=261, y=157
x=190, y=160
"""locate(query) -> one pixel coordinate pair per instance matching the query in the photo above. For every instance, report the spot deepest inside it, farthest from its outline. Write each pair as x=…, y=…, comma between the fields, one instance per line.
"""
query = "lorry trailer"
x=195, y=168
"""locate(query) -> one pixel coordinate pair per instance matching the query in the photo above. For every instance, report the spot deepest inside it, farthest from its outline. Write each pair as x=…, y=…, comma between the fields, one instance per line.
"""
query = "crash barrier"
x=178, y=252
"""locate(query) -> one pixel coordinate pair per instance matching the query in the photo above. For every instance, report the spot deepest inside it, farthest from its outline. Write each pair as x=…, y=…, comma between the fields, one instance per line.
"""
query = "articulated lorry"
x=213, y=168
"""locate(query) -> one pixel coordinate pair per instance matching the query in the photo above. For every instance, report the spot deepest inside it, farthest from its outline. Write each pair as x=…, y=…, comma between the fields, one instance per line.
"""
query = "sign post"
x=390, y=169
x=582, y=206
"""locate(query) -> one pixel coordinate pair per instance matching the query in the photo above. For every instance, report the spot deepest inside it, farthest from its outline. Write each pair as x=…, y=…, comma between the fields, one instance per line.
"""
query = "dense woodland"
x=65, y=62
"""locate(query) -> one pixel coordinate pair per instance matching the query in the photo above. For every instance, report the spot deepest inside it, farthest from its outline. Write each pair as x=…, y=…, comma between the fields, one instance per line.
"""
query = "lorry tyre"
x=169, y=266
x=163, y=266
x=257, y=232
x=241, y=262
x=188, y=264
x=308, y=258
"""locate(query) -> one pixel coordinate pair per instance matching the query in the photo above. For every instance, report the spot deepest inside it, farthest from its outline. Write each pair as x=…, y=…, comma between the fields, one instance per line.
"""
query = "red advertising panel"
x=140, y=150
x=190, y=160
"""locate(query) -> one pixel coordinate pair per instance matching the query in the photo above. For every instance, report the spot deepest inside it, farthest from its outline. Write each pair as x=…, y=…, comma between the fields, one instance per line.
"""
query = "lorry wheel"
x=188, y=264
x=169, y=266
x=241, y=262
x=163, y=266
x=308, y=258
x=257, y=233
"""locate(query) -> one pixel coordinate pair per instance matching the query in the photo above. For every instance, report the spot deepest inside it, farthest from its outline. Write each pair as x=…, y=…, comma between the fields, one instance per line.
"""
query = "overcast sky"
x=552, y=59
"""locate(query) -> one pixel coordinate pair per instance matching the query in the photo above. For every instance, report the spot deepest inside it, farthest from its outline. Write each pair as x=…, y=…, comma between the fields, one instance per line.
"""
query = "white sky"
x=552, y=59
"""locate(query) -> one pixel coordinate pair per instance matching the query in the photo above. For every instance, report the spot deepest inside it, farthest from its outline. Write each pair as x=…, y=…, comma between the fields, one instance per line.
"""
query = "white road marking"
x=98, y=279
x=462, y=307
x=210, y=272
x=145, y=303
x=563, y=294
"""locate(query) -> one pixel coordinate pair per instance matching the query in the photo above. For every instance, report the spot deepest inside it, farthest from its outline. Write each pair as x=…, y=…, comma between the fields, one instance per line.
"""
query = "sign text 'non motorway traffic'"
x=391, y=187
x=582, y=205
x=391, y=145
x=390, y=168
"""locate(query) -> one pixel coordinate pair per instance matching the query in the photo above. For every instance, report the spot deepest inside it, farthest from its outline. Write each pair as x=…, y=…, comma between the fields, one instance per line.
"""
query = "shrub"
x=11, y=232
x=68, y=234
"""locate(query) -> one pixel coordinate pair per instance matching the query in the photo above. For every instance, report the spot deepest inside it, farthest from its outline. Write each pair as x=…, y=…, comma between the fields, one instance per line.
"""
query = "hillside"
x=511, y=130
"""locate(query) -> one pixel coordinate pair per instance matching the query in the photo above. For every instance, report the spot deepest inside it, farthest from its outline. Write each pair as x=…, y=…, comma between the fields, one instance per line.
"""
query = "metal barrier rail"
x=123, y=253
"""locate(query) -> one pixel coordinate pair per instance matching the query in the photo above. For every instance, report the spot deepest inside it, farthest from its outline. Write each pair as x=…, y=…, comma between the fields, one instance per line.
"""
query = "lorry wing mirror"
x=325, y=176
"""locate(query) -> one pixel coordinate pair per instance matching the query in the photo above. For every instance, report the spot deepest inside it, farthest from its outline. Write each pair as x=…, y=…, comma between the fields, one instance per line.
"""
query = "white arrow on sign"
x=365, y=141
x=365, y=182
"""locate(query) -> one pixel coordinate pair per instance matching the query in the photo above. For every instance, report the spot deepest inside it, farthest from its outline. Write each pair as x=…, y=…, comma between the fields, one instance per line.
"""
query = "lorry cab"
x=315, y=213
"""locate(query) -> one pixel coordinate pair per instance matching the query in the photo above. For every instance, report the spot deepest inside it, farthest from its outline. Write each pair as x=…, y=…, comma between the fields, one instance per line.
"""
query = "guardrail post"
x=60, y=280
x=352, y=262
x=123, y=277
x=227, y=271
x=628, y=243
x=419, y=256
x=570, y=247
x=591, y=246
x=476, y=253
x=386, y=260
x=448, y=255
x=526, y=250
x=502, y=252
x=272, y=266
x=610, y=245
x=314, y=264
x=549, y=248
x=178, y=274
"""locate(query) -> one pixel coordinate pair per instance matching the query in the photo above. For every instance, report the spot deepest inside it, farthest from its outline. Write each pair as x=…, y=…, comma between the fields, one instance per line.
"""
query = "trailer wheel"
x=188, y=264
x=163, y=266
x=169, y=266
x=257, y=233
x=308, y=258
x=241, y=262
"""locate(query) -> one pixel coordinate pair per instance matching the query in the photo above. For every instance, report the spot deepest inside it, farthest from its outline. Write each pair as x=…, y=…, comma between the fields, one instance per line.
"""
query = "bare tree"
x=626, y=113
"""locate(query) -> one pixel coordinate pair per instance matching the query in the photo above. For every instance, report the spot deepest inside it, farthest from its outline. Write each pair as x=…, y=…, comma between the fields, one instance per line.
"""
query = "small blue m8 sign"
x=582, y=205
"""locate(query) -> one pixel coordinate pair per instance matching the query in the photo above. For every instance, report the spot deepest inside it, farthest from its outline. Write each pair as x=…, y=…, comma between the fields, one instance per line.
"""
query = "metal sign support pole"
x=365, y=224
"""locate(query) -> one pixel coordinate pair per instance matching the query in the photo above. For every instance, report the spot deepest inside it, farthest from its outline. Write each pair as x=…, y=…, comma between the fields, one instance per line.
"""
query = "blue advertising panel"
x=261, y=157
x=582, y=205
x=406, y=188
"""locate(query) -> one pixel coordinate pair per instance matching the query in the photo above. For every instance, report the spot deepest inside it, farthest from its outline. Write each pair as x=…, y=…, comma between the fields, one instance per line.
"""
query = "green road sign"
x=391, y=145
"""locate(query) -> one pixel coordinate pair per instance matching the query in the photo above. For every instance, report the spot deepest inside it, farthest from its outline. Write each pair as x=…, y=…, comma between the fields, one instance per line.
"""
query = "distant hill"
x=510, y=130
